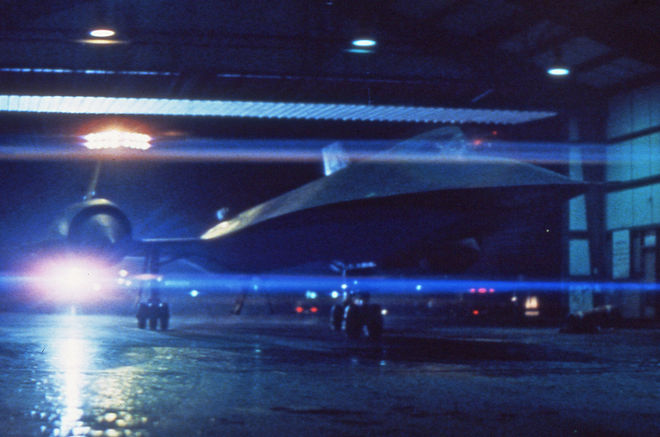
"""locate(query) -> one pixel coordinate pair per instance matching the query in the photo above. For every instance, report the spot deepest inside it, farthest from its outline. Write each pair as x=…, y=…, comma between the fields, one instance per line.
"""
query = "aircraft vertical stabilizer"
x=334, y=158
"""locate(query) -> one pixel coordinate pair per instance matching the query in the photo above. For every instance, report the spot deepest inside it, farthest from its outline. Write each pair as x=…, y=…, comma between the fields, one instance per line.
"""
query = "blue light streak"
x=286, y=284
x=237, y=150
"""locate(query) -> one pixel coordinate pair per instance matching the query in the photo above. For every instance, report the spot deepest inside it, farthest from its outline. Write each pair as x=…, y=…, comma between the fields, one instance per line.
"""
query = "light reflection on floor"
x=70, y=354
x=76, y=384
x=101, y=376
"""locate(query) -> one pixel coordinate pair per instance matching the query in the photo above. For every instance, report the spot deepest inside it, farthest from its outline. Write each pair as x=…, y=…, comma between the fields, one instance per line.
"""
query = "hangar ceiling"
x=470, y=54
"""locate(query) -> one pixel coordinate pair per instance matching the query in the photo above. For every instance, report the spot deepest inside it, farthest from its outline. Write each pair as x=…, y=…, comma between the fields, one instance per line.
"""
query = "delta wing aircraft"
x=426, y=198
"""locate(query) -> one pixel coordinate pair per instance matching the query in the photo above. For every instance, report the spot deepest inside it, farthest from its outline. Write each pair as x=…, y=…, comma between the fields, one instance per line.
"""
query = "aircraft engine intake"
x=97, y=227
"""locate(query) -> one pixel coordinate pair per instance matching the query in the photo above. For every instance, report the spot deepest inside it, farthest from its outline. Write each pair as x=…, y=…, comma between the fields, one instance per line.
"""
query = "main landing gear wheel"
x=353, y=321
x=155, y=313
x=359, y=319
x=164, y=315
x=142, y=315
x=355, y=316
x=336, y=316
x=373, y=322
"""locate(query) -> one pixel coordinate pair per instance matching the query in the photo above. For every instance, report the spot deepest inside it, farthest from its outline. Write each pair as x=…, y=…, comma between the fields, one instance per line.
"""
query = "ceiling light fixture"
x=364, y=42
x=558, y=66
x=116, y=139
x=557, y=70
x=102, y=33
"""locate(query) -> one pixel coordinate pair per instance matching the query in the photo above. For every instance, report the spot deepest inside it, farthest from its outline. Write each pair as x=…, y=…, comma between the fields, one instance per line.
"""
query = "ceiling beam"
x=596, y=62
x=511, y=76
x=602, y=28
x=637, y=82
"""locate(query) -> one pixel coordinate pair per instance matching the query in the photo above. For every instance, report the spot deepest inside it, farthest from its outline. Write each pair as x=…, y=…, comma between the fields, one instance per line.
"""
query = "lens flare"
x=71, y=279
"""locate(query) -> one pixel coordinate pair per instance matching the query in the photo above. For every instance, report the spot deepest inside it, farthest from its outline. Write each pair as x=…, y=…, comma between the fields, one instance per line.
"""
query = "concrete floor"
x=101, y=376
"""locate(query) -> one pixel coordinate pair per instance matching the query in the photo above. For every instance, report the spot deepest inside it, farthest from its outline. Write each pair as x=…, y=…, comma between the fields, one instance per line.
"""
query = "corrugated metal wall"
x=634, y=158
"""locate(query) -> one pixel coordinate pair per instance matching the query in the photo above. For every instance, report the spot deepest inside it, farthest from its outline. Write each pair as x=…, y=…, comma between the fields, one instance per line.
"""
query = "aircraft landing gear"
x=373, y=321
x=337, y=316
x=153, y=311
x=356, y=316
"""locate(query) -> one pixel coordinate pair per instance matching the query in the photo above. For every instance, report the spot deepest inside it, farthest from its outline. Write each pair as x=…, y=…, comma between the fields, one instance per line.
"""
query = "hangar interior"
x=475, y=55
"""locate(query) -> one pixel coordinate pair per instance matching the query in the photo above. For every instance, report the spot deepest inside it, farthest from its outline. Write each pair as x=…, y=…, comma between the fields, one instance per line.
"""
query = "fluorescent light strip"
x=278, y=110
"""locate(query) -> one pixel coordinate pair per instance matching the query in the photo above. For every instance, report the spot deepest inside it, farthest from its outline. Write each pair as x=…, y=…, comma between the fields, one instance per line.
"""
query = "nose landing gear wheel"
x=336, y=317
x=154, y=314
x=142, y=315
x=353, y=321
x=374, y=322
x=164, y=315
x=362, y=318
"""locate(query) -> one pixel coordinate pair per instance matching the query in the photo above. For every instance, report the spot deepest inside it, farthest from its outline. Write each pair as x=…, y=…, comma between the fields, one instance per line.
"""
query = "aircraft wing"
x=389, y=178
x=383, y=206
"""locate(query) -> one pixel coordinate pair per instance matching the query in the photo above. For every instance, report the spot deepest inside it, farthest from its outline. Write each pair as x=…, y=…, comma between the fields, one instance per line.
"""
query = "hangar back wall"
x=629, y=205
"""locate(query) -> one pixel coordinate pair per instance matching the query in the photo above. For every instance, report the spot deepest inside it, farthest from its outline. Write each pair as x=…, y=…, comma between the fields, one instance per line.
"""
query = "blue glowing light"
x=558, y=71
x=194, y=293
x=364, y=42
x=284, y=284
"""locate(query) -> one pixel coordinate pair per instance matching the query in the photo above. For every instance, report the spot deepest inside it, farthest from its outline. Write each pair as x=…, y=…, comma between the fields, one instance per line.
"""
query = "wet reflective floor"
x=101, y=376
